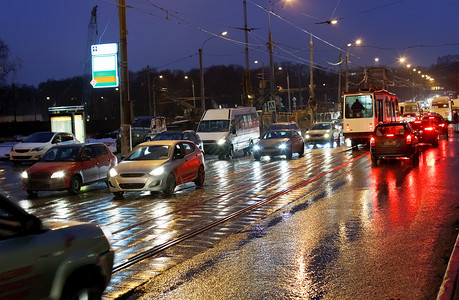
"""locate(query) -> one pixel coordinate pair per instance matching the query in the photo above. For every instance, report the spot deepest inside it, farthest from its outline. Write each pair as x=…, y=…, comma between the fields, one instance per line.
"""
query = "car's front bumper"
x=142, y=182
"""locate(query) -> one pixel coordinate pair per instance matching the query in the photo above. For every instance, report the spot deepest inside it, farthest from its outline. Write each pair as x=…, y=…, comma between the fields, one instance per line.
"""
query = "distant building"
x=447, y=59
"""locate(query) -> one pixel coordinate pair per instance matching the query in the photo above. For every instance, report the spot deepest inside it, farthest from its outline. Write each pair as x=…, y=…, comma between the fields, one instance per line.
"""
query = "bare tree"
x=6, y=66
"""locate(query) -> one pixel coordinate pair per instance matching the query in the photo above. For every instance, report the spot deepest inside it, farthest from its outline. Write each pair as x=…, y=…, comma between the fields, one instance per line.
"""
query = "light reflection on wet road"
x=334, y=228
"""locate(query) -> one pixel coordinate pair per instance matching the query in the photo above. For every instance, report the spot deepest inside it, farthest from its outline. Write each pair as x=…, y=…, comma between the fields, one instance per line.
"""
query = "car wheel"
x=301, y=152
x=374, y=160
x=82, y=289
x=230, y=153
x=201, y=176
x=256, y=156
x=118, y=194
x=75, y=185
x=170, y=185
x=289, y=153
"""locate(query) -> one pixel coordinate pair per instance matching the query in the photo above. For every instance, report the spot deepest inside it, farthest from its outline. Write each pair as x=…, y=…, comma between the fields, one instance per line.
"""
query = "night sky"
x=50, y=36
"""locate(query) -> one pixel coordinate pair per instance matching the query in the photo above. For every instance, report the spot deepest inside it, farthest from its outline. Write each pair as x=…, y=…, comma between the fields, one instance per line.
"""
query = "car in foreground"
x=394, y=140
x=285, y=125
x=51, y=259
x=69, y=167
x=279, y=142
x=35, y=145
x=441, y=126
x=323, y=133
x=188, y=135
x=158, y=166
x=425, y=131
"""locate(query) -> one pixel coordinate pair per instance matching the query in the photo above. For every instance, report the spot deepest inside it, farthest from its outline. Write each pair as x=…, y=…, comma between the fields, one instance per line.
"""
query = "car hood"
x=320, y=131
x=272, y=142
x=51, y=166
x=28, y=145
x=54, y=224
x=140, y=166
x=212, y=136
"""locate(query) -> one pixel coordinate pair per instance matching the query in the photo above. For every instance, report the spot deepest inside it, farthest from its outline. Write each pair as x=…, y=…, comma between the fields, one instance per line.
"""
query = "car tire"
x=170, y=185
x=82, y=289
x=75, y=185
x=301, y=152
x=256, y=156
x=201, y=177
x=374, y=160
x=289, y=153
x=230, y=153
x=118, y=194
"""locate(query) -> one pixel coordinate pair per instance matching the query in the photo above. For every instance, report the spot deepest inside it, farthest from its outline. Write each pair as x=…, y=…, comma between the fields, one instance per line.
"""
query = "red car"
x=425, y=131
x=69, y=167
x=439, y=123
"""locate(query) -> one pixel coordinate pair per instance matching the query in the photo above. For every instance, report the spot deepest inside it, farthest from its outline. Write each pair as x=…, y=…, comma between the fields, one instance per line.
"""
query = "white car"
x=35, y=145
x=323, y=133
x=51, y=259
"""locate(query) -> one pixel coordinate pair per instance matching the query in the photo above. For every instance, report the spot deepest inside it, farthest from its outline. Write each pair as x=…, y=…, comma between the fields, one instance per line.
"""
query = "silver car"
x=51, y=259
x=279, y=142
x=158, y=166
x=323, y=133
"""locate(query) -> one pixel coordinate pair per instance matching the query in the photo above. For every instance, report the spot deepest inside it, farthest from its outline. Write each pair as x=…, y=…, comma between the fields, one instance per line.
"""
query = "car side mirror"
x=57, y=141
x=178, y=155
x=233, y=130
x=85, y=158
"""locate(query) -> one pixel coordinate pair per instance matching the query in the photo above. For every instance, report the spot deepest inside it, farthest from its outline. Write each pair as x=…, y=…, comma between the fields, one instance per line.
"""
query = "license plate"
x=390, y=143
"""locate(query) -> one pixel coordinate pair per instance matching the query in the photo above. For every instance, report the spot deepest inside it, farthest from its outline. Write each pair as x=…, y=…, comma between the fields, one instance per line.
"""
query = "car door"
x=297, y=141
x=89, y=165
x=180, y=164
x=104, y=160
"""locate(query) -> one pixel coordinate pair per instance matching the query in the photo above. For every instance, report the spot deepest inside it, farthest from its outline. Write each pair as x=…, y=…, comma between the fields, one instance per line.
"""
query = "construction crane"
x=92, y=39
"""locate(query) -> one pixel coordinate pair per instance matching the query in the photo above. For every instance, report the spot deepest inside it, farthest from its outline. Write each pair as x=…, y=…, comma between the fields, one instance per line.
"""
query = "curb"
x=448, y=286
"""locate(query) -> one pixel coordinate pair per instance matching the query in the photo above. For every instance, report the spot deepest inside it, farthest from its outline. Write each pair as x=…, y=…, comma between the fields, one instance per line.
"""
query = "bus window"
x=359, y=106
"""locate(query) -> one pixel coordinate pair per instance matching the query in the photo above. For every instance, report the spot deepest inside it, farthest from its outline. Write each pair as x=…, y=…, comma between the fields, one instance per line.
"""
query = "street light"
x=192, y=88
x=357, y=42
x=203, y=98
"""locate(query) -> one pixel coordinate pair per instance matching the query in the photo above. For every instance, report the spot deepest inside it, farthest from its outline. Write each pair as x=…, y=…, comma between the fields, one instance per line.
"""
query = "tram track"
x=183, y=237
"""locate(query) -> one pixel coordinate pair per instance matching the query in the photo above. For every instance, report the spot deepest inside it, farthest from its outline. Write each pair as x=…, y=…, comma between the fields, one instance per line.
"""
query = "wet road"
x=323, y=226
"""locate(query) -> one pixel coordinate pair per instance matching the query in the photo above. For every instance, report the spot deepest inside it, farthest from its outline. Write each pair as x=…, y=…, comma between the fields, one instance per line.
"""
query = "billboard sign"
x=104, y=65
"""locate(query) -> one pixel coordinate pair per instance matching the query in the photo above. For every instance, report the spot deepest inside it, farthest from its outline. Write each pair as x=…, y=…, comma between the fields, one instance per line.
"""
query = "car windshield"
x=141, y=122
x=39, y=137
x=390, y=130
x=214, y=126
x=61, y=154
x=167, y=136
x=277, y=134
x=323, y=126
x=281, y=126
x=152, y=152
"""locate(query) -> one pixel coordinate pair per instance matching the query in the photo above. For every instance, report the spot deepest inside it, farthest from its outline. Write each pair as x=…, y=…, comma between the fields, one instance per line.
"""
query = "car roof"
x=392, y=124
x=80, y=144
x=284, y=123
x=282, y=129
x=163, y=142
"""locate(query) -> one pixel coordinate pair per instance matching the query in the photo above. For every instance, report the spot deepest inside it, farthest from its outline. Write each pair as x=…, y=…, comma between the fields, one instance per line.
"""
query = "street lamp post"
x=154, y=93
x=192, y=88
x=357, y=42
x=203, y=97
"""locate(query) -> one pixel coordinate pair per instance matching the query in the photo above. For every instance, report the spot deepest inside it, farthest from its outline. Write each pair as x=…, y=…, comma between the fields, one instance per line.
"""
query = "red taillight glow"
x=428, y=128
x=442, y=125
x=370, y=126
x=408, y=139
x=431, y=118
x=417, y=122
x=372, y=141
x=390, y=135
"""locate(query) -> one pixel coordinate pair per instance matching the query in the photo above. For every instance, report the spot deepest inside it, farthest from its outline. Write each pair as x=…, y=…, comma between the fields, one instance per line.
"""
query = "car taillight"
x=442, y=125
x=390, y=135
x=408, y=139
x=417, y=122
x=372, y=141
x=428, y=128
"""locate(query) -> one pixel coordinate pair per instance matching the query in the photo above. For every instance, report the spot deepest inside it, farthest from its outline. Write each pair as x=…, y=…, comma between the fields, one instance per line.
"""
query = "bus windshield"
x=358, y=106
x=409, y=108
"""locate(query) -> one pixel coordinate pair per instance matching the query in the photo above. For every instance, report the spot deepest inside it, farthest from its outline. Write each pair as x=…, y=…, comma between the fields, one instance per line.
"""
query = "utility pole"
x=312, y=103
x=271, y=64
x=203, y=97
x=339, y=78
x=247, y=90
x=149, y=90
x=125, y=101
x=346, y=89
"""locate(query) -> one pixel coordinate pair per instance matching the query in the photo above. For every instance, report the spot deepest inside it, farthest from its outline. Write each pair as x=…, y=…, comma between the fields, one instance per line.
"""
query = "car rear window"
x=390, y=130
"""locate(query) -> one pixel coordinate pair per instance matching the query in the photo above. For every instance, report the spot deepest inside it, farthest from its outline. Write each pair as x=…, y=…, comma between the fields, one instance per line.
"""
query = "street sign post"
x=104, y=65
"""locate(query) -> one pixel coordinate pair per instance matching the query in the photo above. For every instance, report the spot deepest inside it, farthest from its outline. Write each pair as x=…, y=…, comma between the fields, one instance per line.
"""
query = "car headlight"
x=221, y=141
x=58, y=174
x=282, y=146
x=158, y=171
x=256, y=148
x=326, y=135
x=112, y=172
x=25, y=175
x=38, y=149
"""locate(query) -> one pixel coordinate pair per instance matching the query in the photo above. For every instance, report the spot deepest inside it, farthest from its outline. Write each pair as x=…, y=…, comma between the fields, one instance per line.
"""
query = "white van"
x=443, y=106
x=226, y=130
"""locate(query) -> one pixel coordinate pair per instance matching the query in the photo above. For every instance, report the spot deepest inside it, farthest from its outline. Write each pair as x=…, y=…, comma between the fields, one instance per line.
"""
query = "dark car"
x=279, y=142
x=187, y=135
x=392, y=140
x=425, y=132
x=439, y=123
x=69, y=167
